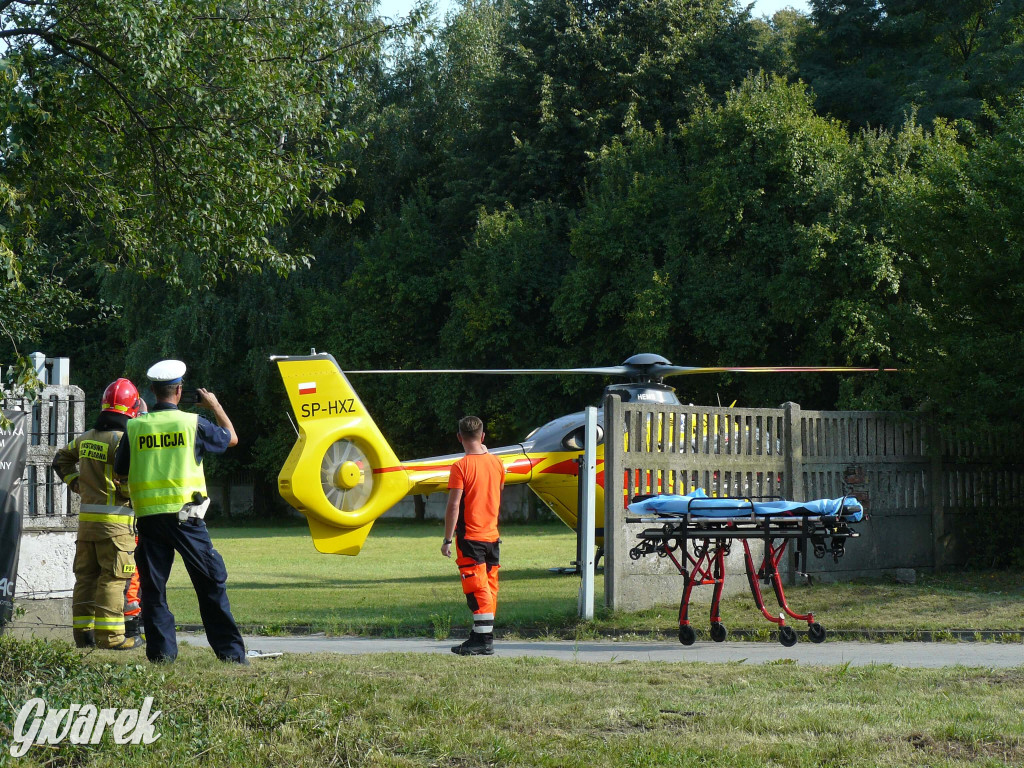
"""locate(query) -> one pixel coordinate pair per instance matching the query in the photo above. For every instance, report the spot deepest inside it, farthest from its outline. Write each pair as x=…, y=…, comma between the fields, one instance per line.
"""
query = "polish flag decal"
x=307, y=388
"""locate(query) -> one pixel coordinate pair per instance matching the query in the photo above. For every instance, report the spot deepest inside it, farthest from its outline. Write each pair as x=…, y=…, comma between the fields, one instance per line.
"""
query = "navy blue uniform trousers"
x=159, y=537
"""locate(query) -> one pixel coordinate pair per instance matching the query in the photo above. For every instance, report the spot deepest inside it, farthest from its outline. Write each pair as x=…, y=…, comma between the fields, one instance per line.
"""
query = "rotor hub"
x=348, y=475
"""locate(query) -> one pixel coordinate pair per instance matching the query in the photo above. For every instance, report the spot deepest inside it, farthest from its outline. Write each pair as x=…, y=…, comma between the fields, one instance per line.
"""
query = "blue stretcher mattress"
x=699, y=504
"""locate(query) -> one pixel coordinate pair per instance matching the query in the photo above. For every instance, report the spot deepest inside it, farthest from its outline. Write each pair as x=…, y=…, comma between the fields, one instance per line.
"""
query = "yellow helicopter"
x=342, y=474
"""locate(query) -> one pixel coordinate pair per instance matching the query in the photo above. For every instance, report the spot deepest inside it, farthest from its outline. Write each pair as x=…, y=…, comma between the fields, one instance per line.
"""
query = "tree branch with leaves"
x=170, y=139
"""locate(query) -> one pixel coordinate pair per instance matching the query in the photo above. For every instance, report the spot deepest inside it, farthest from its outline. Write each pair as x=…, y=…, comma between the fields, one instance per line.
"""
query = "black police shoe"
x=133, y=628
x=479, y=644
x=85, y=638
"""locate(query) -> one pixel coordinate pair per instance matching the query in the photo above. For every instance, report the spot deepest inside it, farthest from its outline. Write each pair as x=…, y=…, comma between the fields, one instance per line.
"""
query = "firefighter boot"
x=479, y=644
x=128, y=643
x=84, y=638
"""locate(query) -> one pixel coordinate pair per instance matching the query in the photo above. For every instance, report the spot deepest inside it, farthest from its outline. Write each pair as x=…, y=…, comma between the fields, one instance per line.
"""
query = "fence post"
x=937, y=498
x=613, y=513
x=792, y=453
x=39, y=364
x=60, y=371
x=587, y=479
x=793, y=472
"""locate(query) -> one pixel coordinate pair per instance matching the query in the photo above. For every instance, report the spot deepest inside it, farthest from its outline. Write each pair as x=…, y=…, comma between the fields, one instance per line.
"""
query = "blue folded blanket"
x=699, y=504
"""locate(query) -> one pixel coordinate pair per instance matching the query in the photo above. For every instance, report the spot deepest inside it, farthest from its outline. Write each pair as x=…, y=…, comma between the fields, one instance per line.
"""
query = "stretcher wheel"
x=787, y=636
x=816, y=632
x=718, y=632
x=687, y=634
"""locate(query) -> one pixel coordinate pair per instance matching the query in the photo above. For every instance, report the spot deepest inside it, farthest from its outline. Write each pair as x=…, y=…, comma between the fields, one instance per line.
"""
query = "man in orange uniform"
x=471, y=518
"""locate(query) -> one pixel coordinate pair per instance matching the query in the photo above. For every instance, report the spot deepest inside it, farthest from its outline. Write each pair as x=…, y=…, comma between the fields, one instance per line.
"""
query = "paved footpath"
x=900, y=654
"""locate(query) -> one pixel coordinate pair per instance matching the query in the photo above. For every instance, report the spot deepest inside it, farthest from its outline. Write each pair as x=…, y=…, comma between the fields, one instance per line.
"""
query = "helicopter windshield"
x=575, y=439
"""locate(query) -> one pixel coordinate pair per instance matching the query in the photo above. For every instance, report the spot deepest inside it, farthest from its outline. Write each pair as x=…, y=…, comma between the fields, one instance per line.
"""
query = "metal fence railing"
x=56, y=418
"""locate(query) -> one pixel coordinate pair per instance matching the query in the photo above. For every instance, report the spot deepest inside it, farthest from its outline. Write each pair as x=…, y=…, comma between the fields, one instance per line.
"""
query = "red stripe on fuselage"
x=567, y=467
x=411, y=468
x=522, y=466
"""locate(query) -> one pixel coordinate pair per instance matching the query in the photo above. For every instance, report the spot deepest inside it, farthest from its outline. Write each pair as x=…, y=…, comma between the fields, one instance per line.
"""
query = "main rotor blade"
x=615, y=370
x=681, y=371
x=655, y=370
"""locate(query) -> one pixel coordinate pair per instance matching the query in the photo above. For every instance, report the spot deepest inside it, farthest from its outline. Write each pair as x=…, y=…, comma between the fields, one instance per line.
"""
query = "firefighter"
x=471, y=518
x=104, y=553
x=163, y=458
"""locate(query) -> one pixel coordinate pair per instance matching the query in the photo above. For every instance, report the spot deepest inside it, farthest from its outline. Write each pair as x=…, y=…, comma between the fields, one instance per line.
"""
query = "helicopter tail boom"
x=341, y=473
x=429, y=476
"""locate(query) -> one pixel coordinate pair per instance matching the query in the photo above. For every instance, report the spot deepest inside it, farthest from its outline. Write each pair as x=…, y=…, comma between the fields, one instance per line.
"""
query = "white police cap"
x=166, y=372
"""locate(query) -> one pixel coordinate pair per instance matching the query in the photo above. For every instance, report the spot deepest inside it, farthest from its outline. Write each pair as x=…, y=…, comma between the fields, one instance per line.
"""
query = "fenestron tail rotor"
x=346, y=476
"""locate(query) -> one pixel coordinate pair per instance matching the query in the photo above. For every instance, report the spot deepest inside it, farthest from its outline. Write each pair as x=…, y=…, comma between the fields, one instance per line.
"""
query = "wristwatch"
x=447, y=541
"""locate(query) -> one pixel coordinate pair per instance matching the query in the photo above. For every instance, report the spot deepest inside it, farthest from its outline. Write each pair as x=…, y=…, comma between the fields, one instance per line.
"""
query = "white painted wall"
x=45, y=565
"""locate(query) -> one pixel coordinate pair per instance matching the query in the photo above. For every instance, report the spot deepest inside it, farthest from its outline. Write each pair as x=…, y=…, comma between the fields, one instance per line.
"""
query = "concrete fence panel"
x=918, y=488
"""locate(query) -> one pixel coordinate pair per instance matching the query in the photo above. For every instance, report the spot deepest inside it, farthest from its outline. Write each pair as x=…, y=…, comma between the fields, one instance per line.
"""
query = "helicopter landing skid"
x=573, y=569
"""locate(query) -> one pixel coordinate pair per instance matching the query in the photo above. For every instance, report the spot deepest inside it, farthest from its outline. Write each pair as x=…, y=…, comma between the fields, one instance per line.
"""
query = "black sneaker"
x=479, y=644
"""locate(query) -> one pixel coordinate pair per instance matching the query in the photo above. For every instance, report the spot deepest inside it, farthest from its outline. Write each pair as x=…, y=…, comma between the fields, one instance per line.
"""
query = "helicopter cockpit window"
x=574, y=440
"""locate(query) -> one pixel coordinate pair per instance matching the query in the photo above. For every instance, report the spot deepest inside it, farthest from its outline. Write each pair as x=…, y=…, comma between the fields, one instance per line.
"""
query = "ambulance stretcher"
x=696, y=534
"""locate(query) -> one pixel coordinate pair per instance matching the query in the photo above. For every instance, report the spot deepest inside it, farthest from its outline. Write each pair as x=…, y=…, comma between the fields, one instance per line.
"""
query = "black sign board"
x=13, y=452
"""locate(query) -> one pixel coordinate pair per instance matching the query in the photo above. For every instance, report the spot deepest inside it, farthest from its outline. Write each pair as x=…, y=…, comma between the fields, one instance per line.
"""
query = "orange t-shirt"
x=481, y=477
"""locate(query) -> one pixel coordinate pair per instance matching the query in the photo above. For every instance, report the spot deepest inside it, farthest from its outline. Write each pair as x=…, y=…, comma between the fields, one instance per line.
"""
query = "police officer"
x=163, y=458
x=104, y=552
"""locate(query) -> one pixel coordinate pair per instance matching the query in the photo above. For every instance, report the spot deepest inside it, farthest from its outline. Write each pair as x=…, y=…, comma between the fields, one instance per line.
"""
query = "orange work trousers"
x=478, y=567
x=132, y=593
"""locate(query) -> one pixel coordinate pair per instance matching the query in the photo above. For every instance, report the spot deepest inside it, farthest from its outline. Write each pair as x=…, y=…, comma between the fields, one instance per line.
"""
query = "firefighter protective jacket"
x=106, y=512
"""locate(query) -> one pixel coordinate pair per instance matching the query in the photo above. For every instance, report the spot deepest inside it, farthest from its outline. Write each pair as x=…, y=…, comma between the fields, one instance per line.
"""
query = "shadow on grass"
x=404, y=529
x=507, y=575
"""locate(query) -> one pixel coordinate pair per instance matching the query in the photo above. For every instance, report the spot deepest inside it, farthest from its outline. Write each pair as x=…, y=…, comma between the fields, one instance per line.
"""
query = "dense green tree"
x=872, y=62
x=420, y=100
x=960, y=225
x=503, y=287
x=778, y=40
x=573, y=73
x=617, y=296
x=739, y=241
x=170, y=139
x=481, y=136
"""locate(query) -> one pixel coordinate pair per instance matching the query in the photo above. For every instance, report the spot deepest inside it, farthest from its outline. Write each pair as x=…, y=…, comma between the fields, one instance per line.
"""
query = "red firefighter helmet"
x=121, y=396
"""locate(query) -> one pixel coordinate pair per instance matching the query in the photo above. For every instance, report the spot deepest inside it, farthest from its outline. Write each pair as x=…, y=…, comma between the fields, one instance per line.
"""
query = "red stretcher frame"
x=698, y=546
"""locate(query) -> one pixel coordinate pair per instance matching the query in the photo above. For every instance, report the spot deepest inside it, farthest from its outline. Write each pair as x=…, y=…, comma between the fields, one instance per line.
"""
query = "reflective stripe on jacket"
x=164, y=473
x=106, y=513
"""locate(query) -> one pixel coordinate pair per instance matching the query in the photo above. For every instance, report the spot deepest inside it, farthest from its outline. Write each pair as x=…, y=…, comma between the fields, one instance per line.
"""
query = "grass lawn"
x=401, y=585
x=411, y=711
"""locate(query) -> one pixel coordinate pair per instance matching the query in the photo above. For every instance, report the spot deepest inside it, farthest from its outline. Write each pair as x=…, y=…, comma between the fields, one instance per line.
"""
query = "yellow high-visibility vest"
x=164, y=473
